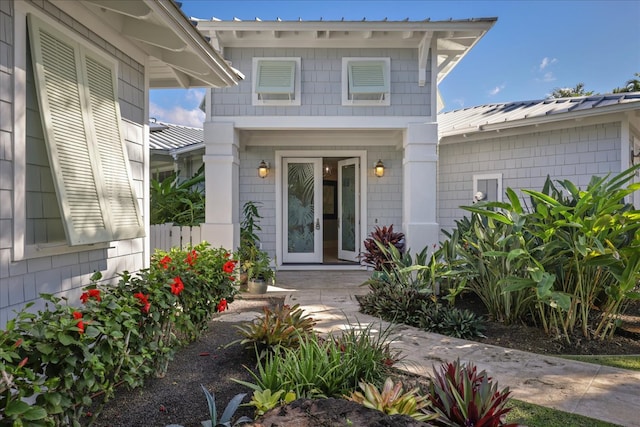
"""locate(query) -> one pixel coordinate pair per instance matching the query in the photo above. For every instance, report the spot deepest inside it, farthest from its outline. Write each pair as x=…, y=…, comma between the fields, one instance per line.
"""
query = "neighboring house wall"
x=321, y=91
x=64, y=270
x=575, y=153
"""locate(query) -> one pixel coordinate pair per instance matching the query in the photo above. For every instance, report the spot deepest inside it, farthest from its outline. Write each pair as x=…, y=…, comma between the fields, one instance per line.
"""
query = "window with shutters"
x=77, y=179
x=366, y=81
x=487, y=188
x=276, y=81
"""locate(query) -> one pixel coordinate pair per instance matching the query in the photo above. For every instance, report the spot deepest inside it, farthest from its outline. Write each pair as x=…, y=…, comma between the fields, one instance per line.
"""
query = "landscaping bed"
x=177, y=398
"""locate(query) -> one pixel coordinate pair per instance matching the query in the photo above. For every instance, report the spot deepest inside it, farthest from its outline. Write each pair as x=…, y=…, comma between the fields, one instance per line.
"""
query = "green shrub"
x=69, y=354
x=328, y=367
x=282, y=327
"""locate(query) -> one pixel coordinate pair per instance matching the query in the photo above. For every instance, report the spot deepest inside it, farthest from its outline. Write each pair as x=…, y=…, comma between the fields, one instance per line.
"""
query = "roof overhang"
x=179, y=54
x=451, y=40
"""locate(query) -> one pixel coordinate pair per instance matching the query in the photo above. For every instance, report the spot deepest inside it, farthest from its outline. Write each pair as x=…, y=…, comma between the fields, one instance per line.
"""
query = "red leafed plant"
x=462, y=396
x=385, y=237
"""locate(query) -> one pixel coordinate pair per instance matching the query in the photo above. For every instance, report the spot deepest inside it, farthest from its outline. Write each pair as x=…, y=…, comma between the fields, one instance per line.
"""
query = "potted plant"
x=254, y=262
x=259, y=272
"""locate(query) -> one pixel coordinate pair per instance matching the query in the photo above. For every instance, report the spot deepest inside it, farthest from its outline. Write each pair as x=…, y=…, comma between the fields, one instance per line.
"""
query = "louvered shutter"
x=368, y=77
x=276, y=77
x=62, y=105
x=126, y=221
x=80, y=115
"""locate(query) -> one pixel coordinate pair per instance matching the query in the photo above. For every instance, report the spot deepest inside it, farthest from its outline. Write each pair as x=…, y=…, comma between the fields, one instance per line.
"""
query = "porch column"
x=222, y=177
x=420, y=186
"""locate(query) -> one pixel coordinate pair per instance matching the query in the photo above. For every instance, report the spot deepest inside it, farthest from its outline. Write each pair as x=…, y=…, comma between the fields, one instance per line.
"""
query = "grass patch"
x=624, y=362
x=532, y=415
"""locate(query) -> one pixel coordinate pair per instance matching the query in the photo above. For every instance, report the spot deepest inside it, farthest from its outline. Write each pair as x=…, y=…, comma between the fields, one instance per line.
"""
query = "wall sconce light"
x=634, y=156
x=263, y=169
x=378, y=169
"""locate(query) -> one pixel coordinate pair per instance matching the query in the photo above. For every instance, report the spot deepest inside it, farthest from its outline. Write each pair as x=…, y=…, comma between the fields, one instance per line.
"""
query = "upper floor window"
x=366, y=81
x=276, y=81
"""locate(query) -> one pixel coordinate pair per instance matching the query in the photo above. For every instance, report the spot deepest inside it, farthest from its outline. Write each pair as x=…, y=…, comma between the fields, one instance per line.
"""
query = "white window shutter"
x=62, y=107
x=81, y=118
x=126, y=221
x=276, y=77
x=368, y=77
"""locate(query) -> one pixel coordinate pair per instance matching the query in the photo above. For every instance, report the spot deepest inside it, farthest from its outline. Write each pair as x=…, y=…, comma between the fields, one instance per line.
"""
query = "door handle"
x=317, y=224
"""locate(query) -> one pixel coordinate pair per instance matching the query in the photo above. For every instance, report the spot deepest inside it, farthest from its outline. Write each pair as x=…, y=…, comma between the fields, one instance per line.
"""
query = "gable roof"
x=180, y=56
x=492, y=117
x=451, y=39
x=174, y=139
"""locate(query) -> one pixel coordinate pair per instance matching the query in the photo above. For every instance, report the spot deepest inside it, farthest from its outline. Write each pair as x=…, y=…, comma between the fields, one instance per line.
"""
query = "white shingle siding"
x=321, y=78
x=575, y=154
x=64, y=275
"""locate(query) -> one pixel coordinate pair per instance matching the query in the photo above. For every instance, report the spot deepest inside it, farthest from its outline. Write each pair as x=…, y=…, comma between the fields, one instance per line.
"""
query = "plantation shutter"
x=126, y=221
x=276, y=77
x=82, y=132
x=368, y=77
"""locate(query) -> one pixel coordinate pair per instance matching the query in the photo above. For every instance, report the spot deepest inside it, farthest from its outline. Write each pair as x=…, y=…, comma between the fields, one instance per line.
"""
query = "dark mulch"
x=178, y=399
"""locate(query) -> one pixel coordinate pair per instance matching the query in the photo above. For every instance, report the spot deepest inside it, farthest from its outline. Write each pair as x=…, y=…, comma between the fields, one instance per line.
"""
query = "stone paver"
x=599, y=392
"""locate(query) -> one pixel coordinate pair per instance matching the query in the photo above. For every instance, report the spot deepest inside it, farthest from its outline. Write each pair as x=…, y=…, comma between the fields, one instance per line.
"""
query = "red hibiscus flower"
x=229, y=266
x=80, y=325
x=164, y=262
x=222, y=305
x=91, y=293
x=191, y=257
x=177, y=286
x=144, y=300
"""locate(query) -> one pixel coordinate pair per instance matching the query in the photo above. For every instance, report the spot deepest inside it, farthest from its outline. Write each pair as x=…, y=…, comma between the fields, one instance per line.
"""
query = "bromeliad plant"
x=462, y=396
x=283, y=327
x=393, y=400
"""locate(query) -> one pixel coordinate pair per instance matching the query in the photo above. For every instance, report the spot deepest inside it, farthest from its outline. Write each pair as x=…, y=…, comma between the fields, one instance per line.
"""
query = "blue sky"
x=534, y=47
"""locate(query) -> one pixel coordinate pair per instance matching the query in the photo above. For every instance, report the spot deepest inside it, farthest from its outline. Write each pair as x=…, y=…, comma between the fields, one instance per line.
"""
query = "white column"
x=222, y=177
x=420, y=186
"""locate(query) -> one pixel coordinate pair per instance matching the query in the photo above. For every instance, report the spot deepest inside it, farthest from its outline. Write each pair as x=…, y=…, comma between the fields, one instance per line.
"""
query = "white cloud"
x=178, y=115
x=546, y=61
x=496, y=90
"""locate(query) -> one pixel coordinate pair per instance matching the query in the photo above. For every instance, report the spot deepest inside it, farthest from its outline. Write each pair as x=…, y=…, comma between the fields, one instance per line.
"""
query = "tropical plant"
x=282, y=327
x=570, y=92
x=227, y=414
x=380, y=238
x=254, y=262
x=393, y=400
x=462, y=396
x=632, y=85
x=323, y=367
x=266, y=400
x=179, y=203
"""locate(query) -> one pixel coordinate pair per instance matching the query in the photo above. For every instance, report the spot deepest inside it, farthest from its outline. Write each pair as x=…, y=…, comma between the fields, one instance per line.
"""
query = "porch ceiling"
x=179, y=55
x=451, y=39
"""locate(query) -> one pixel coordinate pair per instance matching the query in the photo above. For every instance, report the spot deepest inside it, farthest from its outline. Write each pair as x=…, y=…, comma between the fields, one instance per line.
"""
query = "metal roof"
x=174, y=138
x=524, y=113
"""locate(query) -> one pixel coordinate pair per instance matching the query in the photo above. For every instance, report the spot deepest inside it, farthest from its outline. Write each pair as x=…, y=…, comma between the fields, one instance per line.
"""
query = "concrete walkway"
x=595, y=391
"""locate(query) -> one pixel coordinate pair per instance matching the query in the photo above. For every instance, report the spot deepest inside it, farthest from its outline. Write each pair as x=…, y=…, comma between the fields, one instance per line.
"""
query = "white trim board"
x=321, y=123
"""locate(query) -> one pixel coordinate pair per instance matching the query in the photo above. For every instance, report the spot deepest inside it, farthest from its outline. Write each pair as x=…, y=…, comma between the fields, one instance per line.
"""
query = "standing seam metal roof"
x=168, y=137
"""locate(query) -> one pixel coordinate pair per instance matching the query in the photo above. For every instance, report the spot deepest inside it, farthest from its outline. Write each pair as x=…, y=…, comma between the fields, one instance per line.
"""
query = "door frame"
x=344, y=254
x=280, y=154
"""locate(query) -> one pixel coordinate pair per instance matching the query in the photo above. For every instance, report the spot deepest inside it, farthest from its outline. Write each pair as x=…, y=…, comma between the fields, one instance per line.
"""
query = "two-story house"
x=334, y=130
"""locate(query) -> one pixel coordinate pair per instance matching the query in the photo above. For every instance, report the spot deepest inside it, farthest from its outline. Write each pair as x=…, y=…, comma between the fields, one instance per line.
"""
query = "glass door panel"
x=303, y=209
x=348, y=210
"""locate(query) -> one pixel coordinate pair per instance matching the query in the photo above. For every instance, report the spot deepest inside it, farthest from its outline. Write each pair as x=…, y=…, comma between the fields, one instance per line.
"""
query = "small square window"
x=276, y=81
x=487, y=188
x=366, y=81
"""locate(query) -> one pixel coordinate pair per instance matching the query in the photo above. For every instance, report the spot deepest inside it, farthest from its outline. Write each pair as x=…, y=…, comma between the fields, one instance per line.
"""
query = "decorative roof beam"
x=407, y=34
x=237, y=34
x=368, y=34
x=423, y=55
